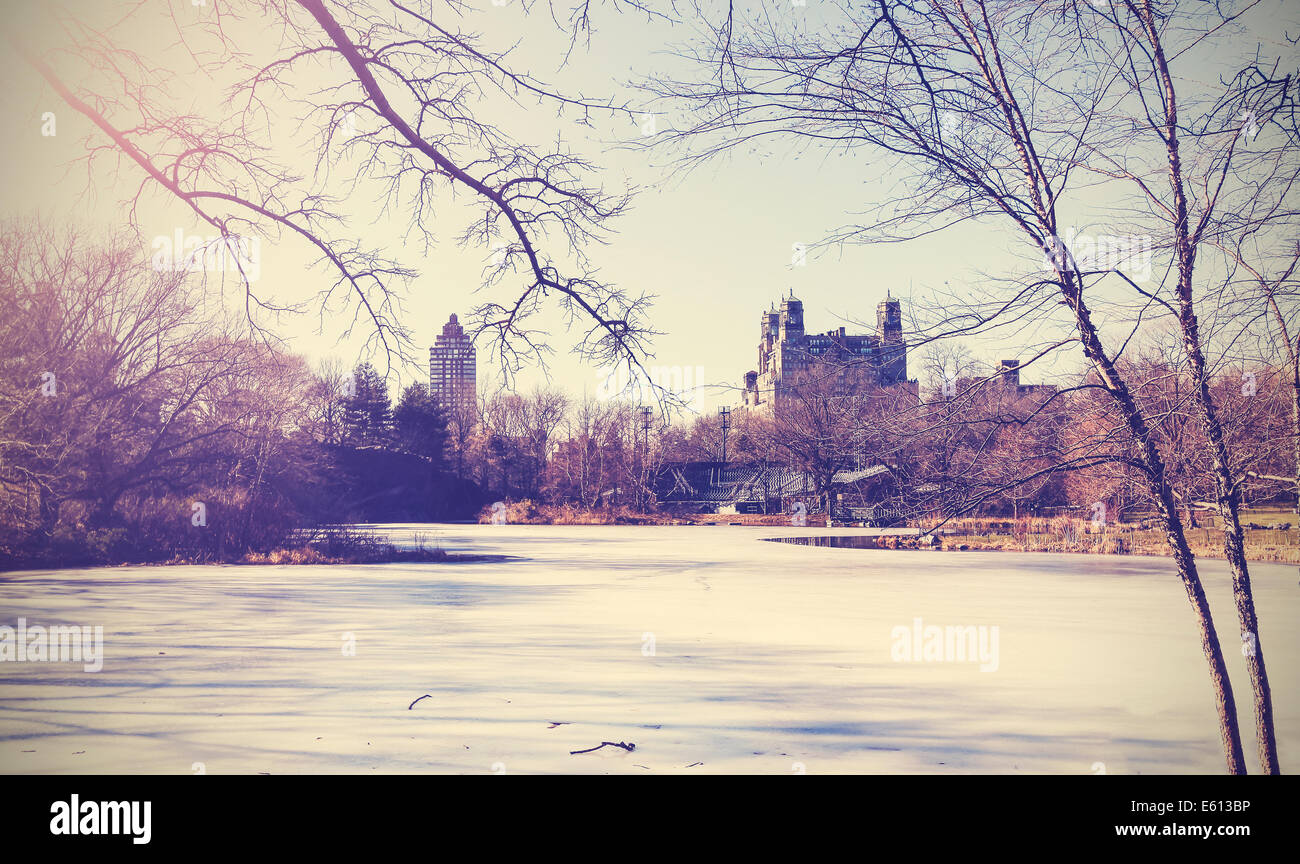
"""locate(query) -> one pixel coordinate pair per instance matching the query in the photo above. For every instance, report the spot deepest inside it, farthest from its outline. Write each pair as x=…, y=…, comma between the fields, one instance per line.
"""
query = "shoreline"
x=280, y=557
x=1124, y=543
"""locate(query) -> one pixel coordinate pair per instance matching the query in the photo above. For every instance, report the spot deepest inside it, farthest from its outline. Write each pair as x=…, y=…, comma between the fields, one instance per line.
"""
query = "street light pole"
x=725, y=414
x=643, y=493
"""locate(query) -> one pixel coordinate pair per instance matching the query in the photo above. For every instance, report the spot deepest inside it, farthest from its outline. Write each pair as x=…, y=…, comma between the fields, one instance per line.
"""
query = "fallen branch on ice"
x=628, y=747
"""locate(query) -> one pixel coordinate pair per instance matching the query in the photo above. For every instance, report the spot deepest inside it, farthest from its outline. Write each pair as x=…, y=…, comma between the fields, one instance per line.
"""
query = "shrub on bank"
x=527, y=512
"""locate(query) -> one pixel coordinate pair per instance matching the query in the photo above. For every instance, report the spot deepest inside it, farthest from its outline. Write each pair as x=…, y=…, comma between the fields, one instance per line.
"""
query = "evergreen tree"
x=420, y=425
x=367, y=418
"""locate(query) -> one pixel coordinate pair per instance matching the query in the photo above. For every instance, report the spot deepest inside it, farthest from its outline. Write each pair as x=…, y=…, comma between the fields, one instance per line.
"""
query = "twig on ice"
x=412, y=705
x=628, y=747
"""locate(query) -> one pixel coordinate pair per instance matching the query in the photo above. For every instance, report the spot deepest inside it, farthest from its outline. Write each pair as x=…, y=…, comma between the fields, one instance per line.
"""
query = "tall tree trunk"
x=1158, y=483
x=1228, y=500
x=1229, y=733
x=47, y=507
x=1225, y=487
x=253, y=489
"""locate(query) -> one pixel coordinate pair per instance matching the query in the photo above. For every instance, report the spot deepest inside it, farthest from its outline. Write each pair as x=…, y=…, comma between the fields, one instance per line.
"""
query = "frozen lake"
x=709, y=649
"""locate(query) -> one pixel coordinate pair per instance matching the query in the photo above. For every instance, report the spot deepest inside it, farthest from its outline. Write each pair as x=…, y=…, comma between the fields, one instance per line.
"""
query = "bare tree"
x=1272, y=293
x=397, y=93
x=1004, y=113
x=116, y=378
x=1191, y=208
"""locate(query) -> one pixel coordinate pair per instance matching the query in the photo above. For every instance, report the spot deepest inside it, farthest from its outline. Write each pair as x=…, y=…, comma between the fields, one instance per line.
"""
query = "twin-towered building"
x=833, y=360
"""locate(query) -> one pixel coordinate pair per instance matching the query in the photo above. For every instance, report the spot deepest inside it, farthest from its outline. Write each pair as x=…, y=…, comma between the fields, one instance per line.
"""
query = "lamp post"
x=725, y=414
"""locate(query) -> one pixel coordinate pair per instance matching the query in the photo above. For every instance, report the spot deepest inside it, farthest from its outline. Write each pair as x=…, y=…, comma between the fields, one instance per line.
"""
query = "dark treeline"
x=139, y=422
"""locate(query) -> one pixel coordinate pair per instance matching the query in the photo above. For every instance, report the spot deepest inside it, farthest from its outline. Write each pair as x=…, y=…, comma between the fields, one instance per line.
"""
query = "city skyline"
x=729, y=246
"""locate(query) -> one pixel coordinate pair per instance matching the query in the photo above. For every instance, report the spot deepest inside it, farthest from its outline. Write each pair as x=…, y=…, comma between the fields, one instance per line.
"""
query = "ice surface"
x=767, y=658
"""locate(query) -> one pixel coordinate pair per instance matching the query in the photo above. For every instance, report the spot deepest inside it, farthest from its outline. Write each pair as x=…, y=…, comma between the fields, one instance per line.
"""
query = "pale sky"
x=715, y=245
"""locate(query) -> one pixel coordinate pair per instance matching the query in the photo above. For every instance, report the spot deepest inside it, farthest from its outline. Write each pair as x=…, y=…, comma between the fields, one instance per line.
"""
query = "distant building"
x=1010, y=372
x=853, y=362
x=714, y=487
x=453, y=375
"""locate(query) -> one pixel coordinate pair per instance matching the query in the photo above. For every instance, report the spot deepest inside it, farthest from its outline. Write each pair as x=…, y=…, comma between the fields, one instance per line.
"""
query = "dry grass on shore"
x=346, y=545
x=1064, y=534
x=526, y=512
x=312, y=555
x=1270, y=535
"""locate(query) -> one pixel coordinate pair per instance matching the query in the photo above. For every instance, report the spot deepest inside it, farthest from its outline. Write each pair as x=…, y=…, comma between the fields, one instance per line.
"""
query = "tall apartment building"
x=851, y=362
x=453, y=374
